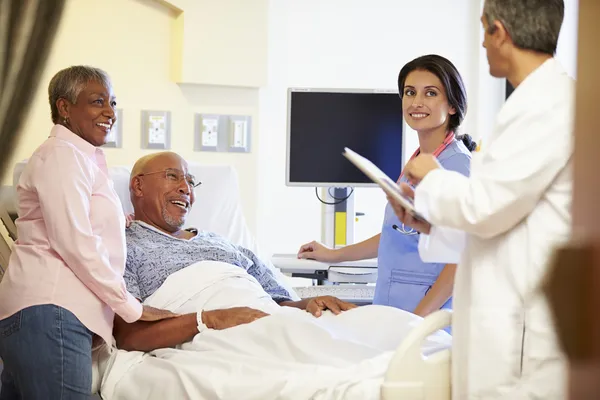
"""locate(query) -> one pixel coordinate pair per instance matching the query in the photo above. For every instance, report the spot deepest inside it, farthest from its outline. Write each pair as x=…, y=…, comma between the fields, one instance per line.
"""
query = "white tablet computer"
x=387, y=184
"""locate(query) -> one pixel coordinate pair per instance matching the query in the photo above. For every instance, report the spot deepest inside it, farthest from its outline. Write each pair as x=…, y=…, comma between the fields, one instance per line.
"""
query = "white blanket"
x=287, y=355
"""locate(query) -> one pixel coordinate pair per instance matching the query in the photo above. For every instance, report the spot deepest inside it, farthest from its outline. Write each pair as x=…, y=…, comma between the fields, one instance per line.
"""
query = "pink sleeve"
x=64, y=184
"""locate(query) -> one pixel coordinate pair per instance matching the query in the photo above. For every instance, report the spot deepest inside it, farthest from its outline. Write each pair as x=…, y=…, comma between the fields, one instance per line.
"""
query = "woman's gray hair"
x=69, y=82
x=532, y=24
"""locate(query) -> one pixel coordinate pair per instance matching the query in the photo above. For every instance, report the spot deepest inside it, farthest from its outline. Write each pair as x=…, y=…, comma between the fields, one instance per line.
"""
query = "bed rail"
x=414, y=376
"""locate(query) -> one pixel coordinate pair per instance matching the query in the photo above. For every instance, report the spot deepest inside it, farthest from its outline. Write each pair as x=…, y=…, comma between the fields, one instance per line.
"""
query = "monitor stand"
x=337, y=222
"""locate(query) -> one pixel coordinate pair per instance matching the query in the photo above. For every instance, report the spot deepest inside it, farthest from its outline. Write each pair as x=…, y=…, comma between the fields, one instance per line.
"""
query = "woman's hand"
x=129, y=218
x=151, y=314
x=405, y=217
x=318, y=252
x=417, y=168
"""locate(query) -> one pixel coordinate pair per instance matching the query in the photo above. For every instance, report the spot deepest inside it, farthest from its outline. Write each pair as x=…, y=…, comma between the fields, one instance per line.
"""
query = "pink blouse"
x=70, y=249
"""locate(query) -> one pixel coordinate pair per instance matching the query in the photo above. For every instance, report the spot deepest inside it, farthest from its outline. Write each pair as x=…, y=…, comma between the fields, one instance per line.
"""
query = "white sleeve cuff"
x=442, y=245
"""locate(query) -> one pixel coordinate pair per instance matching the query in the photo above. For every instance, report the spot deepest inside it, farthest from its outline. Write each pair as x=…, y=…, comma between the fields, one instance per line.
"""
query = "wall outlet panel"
x=239, y=133
x=115, y=137
x=156, y=129
x=211, y=132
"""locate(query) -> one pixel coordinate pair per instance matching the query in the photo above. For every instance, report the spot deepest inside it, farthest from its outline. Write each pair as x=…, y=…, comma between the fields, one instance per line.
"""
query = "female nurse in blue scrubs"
x=434, y=103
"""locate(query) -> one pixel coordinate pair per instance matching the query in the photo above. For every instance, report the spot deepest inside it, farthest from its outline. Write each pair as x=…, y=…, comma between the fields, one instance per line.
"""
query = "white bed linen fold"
x=288, y=355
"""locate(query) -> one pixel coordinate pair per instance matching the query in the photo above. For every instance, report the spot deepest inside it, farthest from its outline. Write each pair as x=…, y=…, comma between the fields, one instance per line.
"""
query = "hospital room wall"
x=345, y=44
x=358, y=44
x=132, y=41
x=349, y=44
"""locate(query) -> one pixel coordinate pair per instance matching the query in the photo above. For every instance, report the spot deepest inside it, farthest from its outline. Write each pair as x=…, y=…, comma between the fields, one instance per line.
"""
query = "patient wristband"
x=201, y=325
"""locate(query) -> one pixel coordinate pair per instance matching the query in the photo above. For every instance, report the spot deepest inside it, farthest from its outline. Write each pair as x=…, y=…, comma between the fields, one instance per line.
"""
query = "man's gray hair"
x=532, y=24
x=69, y=82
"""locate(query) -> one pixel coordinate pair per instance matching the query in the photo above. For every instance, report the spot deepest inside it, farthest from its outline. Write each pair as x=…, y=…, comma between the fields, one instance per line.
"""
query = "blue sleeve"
x=459, y=162
x=265, y=277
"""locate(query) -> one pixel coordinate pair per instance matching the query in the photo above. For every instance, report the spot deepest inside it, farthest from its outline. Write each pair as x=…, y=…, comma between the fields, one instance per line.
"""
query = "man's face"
x=493, y=41
x=167, y=191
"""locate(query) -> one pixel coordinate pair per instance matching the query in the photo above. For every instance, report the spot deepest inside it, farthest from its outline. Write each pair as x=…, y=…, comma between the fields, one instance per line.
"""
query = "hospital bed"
x=410, y=375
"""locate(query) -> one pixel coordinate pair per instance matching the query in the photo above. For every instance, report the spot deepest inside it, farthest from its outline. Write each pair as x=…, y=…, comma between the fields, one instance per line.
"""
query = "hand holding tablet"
x=385, y=182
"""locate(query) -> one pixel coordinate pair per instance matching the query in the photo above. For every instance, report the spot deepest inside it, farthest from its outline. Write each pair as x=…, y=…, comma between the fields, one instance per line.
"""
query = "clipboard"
x=385, y=182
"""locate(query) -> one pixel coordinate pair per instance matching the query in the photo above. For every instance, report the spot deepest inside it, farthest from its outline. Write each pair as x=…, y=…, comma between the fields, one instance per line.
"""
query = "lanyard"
x=447, y=142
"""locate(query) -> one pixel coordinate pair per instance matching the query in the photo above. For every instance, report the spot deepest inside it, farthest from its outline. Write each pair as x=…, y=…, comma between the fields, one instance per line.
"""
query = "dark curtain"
x=27, y=30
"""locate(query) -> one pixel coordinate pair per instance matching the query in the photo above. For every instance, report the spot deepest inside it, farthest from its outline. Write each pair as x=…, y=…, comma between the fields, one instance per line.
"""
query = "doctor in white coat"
x=508, y=216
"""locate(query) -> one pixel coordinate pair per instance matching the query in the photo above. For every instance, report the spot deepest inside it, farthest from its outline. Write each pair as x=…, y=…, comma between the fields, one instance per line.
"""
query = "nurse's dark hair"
x=453, y=84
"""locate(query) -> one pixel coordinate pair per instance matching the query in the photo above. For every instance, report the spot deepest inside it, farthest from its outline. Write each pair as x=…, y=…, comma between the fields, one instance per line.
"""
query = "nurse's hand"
x=417, y=168
x=317, y=305
x=318, y=252
x=403, y=216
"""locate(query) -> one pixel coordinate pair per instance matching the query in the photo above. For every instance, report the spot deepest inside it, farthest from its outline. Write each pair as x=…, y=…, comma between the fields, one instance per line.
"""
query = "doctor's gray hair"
x=532, y=24
x=68, y=83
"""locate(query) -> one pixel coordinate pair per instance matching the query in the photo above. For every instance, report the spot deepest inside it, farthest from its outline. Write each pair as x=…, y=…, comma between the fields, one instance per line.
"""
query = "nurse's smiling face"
x=425, y=104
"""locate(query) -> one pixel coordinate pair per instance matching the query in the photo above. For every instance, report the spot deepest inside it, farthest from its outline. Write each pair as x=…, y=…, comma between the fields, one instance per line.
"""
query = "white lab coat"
x=501, y=225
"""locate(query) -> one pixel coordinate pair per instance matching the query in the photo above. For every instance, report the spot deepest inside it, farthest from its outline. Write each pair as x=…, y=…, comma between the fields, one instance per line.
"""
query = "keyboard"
x=370, y=263
x=351, y=293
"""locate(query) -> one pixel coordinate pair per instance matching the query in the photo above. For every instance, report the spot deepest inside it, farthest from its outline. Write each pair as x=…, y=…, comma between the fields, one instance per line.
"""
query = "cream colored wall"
x=132, y=41
x=232, y=34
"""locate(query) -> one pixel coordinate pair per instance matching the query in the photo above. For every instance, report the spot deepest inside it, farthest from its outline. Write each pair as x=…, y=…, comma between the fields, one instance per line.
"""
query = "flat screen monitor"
x=321, y=122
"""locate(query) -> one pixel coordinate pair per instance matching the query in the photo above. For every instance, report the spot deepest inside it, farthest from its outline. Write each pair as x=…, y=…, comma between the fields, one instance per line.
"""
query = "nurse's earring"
x=66, y=120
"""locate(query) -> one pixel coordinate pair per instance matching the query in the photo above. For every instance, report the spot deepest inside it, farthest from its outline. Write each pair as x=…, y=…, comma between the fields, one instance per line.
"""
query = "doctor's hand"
x=151, y=314
x=417, y=168
x=403, y=216
x=230, y=317
x=317, y=305
x=318, y=252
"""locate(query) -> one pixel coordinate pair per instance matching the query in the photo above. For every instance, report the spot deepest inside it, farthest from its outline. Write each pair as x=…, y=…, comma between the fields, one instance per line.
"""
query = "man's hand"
x=317, y=305
x=317, y=251
x=151, y=314
x=417, y=168
x=230, y=317
x=403, y=216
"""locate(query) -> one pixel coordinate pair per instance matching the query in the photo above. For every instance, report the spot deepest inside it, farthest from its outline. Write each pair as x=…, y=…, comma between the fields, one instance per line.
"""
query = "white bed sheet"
x=288, y=355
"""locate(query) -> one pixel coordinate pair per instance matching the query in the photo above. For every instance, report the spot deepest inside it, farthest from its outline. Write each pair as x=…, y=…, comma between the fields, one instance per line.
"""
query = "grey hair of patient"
x=69, y=82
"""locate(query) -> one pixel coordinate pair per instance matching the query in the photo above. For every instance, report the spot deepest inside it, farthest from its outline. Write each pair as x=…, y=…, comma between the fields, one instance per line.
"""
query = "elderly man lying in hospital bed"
x=157, y=247
x=235, y=325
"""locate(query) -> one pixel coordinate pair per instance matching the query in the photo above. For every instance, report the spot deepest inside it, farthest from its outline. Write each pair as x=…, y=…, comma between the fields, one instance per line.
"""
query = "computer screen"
x=321, y=122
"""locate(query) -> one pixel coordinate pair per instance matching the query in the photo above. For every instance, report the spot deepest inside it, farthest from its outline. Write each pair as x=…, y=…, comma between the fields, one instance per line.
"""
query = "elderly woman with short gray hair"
x=65, y=282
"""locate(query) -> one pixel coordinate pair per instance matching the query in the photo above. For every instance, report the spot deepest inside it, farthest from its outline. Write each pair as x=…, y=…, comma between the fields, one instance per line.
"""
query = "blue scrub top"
x=403, y=279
